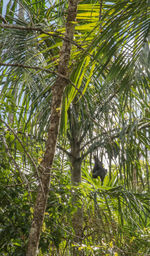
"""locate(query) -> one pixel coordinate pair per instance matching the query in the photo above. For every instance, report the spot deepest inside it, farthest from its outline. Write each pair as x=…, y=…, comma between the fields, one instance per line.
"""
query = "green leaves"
x=105, y=105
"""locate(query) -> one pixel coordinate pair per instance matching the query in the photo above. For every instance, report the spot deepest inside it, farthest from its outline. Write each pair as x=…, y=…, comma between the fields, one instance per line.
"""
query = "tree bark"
x=77, y=220
x=76, y=164
x=46, y=164
x=76, y=161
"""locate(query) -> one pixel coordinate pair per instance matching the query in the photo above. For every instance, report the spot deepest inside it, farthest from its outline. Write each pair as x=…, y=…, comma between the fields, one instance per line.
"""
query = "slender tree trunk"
x=46, y=164
x=76, y=165
x=77, y=220
x=75, y=138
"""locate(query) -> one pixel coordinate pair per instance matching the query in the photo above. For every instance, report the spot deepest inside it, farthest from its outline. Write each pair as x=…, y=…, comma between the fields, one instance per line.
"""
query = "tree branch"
x=26, y=66
x=42, y=69
x=38, y=29
x=3, y=19
x=64, y=150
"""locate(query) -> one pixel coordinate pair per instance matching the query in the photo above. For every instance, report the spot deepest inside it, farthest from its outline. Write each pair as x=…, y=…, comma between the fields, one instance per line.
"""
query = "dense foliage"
x=106, y=110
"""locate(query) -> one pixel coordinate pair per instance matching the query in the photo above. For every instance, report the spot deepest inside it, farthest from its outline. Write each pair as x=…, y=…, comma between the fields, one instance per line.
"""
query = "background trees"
x=104, y=82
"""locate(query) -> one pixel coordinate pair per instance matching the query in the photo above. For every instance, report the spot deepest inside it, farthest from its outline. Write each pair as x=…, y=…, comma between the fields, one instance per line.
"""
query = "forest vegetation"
x=74, y=87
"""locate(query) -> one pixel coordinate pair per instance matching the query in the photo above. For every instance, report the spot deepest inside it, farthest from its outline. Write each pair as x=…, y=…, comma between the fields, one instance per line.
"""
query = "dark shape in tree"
x=98, y=170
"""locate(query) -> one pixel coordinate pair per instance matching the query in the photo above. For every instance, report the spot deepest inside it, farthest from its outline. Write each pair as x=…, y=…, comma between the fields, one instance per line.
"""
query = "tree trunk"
x=46, y=164
x=76, y=165
x=77, y=220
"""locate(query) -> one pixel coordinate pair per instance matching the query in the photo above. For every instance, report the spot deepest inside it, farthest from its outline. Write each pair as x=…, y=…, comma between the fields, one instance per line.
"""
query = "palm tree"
x=46, y=164
x=107, y=56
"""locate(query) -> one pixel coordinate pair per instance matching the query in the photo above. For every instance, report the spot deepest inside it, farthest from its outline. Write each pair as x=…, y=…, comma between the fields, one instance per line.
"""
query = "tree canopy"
x=75, y=83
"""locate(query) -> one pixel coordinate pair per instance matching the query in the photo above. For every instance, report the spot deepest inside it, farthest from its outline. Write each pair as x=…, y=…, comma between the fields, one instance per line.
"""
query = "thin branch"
x=3, y=19
x=25, y=66
x=64, y=150
x=42, y=69
x=38, y=29
x=92, y=148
